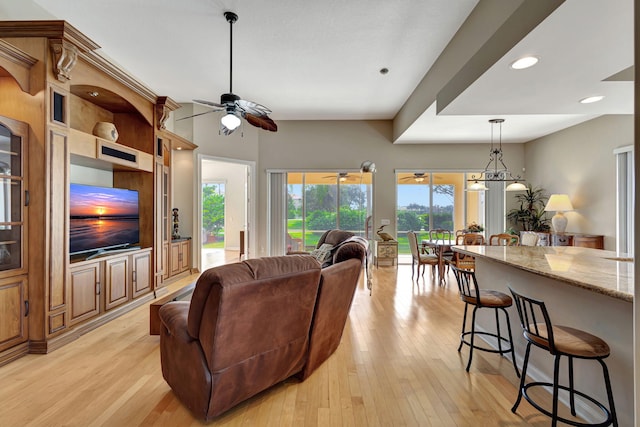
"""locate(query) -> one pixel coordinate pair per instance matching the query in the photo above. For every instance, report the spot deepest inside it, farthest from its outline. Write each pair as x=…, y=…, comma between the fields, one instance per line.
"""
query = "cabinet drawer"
x=559, y=240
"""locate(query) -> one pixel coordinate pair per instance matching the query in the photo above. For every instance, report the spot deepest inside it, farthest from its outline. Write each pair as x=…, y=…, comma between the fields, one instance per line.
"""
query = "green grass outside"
x=214, y=245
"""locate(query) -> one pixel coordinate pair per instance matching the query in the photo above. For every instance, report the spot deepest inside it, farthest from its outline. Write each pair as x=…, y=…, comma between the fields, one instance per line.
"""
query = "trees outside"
x=213, y=208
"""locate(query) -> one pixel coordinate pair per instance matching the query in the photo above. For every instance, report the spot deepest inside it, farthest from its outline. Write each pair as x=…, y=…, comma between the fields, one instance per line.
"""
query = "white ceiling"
x=317, y=60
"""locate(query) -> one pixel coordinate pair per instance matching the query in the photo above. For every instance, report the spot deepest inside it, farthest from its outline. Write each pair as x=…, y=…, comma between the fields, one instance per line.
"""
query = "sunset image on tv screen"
x=102, y=218
x=87, y=201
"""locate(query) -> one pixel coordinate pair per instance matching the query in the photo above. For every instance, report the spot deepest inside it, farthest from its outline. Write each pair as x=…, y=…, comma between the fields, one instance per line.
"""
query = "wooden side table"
x=386, y=251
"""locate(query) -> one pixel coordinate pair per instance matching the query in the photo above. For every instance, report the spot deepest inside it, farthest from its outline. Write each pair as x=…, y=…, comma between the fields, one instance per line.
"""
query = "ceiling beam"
x=491, y=29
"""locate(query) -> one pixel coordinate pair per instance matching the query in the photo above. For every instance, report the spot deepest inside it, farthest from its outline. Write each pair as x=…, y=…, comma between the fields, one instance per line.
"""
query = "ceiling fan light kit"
x=495, y=170
x=235, y=107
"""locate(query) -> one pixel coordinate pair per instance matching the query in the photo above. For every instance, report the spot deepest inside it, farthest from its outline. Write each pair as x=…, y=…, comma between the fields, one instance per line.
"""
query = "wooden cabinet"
x=589, y=241
x=14, y=309
x=594, y=241
x=180, y=256
x=172, y=256
x=14, y=292
x=185, y=255
x=386, y=252
x=84, y=286
x=116, y=281
x=55, y=88
x=140, y=273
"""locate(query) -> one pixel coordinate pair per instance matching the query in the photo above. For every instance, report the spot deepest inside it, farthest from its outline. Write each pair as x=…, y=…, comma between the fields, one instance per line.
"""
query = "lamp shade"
x=230, y=121
x=477, y=186
x=559, y=203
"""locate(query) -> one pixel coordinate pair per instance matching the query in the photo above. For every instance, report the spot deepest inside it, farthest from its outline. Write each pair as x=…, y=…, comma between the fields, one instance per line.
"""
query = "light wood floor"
x=397, y=365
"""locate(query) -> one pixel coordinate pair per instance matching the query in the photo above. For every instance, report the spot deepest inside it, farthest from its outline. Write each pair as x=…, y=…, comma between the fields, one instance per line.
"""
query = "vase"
x=106, y=130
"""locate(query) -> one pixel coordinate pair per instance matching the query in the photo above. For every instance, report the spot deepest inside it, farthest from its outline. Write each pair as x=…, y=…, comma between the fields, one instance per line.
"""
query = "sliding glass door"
x=434, y=200
x=319, y=201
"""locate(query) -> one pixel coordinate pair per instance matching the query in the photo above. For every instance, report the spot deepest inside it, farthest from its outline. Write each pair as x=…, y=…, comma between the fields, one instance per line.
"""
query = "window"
x=432, y=200
x=319, y=201
x=625, y=191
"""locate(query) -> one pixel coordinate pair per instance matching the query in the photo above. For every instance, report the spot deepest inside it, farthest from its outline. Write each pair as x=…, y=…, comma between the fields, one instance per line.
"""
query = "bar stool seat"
x=489, y=298
x=471, y=294
x=572, y=341
x=561, y=341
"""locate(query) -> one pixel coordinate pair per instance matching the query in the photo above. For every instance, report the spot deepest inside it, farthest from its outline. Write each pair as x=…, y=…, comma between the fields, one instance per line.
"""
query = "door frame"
x=250, y=205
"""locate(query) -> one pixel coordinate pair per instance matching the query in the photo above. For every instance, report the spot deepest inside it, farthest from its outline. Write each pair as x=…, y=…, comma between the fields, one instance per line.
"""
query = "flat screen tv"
x=102, y=218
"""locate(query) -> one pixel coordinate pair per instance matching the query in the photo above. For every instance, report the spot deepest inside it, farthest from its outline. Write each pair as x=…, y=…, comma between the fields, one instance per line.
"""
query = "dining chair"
x=529, y=238
x=444, y=237
x=504, y=239
x=440, y=235
x=427, y=257
x=463, y=261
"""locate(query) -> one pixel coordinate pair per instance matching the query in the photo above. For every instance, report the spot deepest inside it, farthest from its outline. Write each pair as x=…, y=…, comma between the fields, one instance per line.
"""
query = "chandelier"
x=496, y=170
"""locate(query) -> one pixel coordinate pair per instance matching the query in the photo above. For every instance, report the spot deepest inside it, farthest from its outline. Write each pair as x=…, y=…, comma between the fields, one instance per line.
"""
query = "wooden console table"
x=594, y=241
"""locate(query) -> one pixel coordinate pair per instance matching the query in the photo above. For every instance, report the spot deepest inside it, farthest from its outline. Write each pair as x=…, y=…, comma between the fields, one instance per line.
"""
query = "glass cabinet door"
x=12, y=193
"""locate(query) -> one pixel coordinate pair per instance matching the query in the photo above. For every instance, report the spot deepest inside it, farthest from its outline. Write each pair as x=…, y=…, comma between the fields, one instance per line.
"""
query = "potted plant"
x=530, y=215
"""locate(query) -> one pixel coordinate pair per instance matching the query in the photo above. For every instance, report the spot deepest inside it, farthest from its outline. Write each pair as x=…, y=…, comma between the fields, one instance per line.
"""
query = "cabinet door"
x=141, y=274
x=185, y=255
x=116, y=283
x=85, y=289
x=13, y=311
x=13, y=198
x=174, y=259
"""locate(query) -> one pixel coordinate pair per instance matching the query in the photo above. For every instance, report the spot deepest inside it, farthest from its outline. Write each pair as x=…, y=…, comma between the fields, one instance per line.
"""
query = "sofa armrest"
x=173, y=316
x=183, y=362
x=350, y=250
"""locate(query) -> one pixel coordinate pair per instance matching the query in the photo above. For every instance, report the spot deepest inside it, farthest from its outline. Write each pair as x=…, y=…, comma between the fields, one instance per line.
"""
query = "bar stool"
x=560, y=341
x=471, y=294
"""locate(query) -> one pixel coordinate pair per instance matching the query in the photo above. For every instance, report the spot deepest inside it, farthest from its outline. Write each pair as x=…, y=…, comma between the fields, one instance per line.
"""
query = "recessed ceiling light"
x=591, y=99
x=526, y=62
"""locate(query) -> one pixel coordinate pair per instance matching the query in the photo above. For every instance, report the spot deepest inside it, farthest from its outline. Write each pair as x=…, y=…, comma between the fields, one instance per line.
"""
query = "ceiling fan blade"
x=252, y=108
x=261, y=121
x=196, y=115
x=208, y=103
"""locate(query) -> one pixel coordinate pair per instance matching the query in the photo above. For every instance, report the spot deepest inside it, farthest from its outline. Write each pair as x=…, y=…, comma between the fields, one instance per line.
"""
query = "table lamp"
x=559, y=203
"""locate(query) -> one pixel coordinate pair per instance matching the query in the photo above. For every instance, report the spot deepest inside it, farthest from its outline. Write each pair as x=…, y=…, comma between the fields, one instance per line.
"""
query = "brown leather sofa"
x=346, y=245
x=251, y=325
x=245, y=329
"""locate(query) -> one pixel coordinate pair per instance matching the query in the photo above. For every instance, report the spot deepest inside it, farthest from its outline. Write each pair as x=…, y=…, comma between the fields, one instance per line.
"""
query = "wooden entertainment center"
x=55, y=87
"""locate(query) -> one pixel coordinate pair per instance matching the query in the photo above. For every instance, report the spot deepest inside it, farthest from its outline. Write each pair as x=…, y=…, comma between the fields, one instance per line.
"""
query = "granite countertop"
x=605, y=272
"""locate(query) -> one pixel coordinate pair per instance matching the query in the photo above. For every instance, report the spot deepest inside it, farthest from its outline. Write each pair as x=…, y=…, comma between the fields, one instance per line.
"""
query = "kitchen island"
x=588, y=289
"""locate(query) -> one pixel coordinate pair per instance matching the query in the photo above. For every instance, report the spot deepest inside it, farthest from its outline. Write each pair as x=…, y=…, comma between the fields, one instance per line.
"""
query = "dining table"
x=440, y=247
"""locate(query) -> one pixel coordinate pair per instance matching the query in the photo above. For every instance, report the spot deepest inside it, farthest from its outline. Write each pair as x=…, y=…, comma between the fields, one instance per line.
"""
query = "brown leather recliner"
x=337, y=288
x=245, y=329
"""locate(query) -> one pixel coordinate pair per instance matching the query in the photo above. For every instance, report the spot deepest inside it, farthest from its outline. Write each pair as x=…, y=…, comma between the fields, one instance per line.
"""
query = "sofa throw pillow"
x=323, y=254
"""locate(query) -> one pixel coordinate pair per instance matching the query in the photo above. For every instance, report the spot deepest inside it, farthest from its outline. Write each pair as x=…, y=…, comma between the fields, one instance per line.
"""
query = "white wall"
x=343, y=145
x=579, y=161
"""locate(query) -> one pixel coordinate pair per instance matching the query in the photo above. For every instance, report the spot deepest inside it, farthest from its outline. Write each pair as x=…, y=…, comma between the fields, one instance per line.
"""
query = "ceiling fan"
x=342, y=177
x=418, y=177
x=232, y=104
